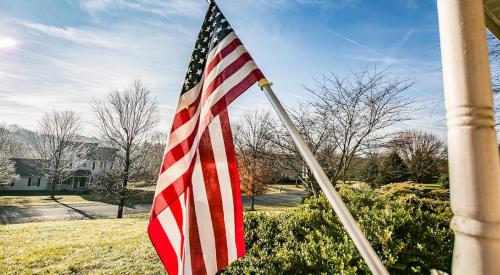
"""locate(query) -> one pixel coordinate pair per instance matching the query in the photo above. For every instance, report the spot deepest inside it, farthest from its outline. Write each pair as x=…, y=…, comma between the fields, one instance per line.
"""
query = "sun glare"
x=7, y=42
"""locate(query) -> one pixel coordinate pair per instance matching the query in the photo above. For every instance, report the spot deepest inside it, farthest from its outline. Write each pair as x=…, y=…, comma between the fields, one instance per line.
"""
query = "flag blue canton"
x=214, y=29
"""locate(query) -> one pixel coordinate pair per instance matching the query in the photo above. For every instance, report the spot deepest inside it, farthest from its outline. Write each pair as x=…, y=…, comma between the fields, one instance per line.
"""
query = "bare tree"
x=149, y=161
x=423, y=154
x=56, y=142
x=11, y=144
x=126, y=119
x=4, y=137
x=316, y=134
x=344, y=113
x=252, y=142
x=7, y=169
x=494, y=54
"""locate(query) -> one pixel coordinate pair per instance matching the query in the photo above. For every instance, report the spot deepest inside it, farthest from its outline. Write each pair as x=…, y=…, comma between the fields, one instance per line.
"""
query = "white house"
x=32, y=177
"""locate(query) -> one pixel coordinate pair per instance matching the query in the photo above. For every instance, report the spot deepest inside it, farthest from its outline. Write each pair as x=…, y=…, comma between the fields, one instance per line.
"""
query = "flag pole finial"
x=263, y=83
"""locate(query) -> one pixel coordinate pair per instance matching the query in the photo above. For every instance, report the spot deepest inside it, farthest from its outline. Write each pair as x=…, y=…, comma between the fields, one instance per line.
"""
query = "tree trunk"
x=120, y=208
x=123, y=192
x=252, y=199
x=53, y=189
x=55, y=178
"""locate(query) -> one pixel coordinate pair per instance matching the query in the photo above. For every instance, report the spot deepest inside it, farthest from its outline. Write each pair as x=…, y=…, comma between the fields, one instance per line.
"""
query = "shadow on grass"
x=15, y=214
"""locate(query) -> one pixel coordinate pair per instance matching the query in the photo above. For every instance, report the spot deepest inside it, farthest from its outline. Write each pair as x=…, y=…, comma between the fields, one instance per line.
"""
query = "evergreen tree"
x=393, y=169
x=369, y=170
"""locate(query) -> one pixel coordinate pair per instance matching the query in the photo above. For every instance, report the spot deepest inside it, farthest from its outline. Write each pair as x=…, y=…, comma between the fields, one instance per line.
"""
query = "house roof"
x=34, y=167
x=29, y=167
x=81, y=173
x=103, y=153
x=95, y=152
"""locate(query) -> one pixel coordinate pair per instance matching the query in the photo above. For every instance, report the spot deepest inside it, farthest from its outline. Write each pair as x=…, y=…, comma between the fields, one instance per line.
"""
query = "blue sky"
x=61, y=54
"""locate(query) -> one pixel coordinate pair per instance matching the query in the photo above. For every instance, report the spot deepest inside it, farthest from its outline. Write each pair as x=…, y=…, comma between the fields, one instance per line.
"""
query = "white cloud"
x=77, y=35
x=405, y=38
x=47, y=72
x=96, y=5
x=164, y=8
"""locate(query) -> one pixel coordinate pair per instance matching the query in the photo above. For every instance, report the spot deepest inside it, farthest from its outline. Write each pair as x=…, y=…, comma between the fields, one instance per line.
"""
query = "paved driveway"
x=19, y=214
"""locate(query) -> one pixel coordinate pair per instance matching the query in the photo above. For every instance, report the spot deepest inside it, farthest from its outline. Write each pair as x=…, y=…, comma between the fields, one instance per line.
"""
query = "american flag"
x=196, y=222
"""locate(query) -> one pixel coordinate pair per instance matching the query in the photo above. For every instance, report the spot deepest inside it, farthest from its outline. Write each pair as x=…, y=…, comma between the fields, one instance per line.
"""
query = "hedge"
x=407, y=225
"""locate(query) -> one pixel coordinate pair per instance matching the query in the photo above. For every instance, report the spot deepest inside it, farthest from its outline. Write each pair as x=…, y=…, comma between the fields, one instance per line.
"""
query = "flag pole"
x=357, y=236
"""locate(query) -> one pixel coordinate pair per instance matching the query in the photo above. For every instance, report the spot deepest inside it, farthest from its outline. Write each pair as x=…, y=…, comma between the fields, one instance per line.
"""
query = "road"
x=74, y=211
x=20, y=214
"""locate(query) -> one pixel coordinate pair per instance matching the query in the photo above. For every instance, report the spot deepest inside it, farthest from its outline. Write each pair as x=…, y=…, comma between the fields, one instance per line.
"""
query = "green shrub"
x=407, y=225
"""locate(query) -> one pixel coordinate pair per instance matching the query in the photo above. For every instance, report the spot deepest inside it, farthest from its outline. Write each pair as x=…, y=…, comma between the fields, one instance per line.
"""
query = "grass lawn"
x=87, y=246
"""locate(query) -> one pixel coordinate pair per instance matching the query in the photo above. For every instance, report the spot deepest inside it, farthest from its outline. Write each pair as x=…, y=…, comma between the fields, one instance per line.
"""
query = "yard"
x=87, y=246
x=118, y=246
x=121, y=246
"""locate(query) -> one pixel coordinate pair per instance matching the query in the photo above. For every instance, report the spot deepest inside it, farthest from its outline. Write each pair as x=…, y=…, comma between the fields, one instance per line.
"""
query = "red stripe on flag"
x=167, y=195
x=226, y=73
x=163, y=247
x=196, y=253
x=176, y=209
x=236, y=91
x=183, y=147
x=185, y=114
x=235, y=183
x=180, y=150
x=223, y=53
x=214, y=198
x=163, y=199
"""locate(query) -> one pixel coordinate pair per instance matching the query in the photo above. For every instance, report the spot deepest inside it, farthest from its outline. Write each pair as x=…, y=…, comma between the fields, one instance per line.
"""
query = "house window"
x=38, y=181
x=29, y=181
x=93, y=165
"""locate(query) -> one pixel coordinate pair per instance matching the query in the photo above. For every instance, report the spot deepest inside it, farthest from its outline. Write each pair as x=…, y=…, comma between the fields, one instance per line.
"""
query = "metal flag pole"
x=357, y=236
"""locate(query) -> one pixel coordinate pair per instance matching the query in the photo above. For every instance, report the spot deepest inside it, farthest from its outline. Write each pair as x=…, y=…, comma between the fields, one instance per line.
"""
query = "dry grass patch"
x=107, y=246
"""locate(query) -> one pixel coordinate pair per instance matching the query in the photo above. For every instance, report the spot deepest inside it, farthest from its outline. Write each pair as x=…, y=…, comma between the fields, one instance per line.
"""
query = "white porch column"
x=473, y=152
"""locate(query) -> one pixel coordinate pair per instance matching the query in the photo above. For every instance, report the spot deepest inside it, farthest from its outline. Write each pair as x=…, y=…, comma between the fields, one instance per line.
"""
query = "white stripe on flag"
x=226, y=61
x=226, y=191
x=181, y=133
x=230, y=82
x=181, y=166
x=188, y=97
x=222, y=44
x=187, y=247
x=182, y=199
x=178, y=168
x=204, y=219
x=167, y=221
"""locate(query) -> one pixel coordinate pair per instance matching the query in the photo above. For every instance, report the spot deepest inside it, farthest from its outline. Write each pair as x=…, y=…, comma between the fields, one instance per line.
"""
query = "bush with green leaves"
x=393, y=169
x=407, y=225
